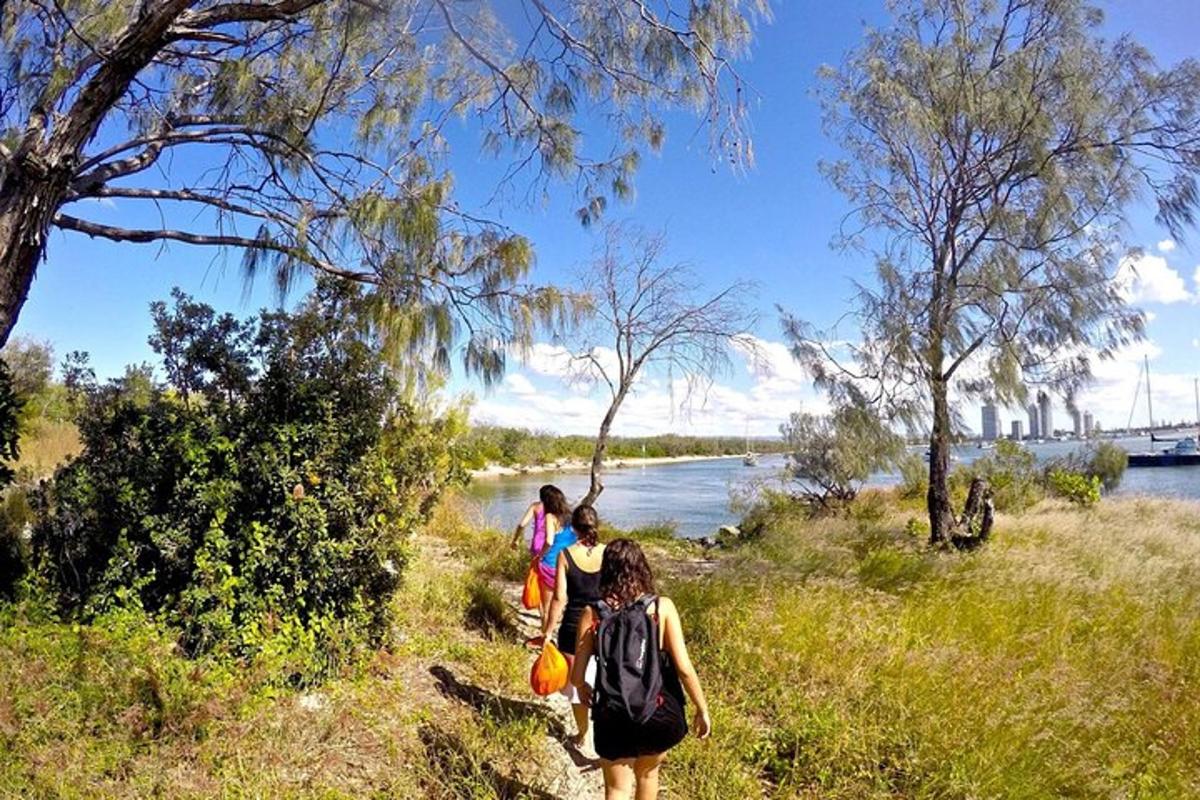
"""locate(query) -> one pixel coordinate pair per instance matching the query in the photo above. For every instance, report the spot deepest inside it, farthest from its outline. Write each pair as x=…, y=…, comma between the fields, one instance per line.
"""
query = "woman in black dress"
x=576, y=587
x=631, y=752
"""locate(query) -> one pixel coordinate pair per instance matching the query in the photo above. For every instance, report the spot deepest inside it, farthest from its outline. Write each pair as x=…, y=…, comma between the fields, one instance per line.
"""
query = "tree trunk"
x=597, y=486
x=941, y=515
x=30, y=194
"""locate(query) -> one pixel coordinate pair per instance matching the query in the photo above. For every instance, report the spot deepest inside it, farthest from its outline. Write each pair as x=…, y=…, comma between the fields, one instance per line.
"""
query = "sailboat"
x=751, y=458
x=1183, y=453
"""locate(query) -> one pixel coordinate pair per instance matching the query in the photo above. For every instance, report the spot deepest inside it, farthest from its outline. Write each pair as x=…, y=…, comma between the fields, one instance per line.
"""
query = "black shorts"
x=620, y=737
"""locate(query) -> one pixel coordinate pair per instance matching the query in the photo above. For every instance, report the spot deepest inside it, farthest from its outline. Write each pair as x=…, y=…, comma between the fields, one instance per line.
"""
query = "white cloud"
x=1196, y=278
x=551, y=360
x=1166, y=245
x=1110, y=396
x=519, y=385
x=767, y=386
x=1148, y=279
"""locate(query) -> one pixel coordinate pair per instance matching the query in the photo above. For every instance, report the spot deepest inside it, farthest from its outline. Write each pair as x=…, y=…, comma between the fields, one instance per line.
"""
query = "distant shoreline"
x=582, y=465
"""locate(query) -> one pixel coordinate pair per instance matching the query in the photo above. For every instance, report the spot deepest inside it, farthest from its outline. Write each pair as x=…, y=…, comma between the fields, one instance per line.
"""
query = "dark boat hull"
x=1164, y=459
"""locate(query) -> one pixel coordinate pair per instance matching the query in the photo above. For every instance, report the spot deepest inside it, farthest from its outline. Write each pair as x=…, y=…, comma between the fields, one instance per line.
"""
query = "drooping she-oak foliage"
x=262, y=496
x=831, y=456
x=311, y=134
x=992, y=150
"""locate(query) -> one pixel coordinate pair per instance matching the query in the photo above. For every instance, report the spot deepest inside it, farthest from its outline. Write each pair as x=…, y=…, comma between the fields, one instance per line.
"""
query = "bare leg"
x=544, y=605
x=618, y=779
x=581, y=723
x=645, y=768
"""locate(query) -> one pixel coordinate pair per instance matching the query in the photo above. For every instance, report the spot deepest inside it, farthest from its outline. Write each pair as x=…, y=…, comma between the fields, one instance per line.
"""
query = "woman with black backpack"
x=642, y=672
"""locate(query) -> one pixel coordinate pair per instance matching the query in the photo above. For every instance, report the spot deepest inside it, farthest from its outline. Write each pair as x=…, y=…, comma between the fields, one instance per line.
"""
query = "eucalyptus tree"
x=992, y=151
x=312, y=134
x=647, y=314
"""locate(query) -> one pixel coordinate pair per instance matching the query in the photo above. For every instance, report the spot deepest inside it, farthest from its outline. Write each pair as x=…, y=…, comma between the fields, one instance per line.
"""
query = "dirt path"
x=578, y=772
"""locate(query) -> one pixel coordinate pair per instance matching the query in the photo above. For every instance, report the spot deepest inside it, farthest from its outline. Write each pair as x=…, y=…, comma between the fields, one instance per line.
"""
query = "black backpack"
x=628, y=663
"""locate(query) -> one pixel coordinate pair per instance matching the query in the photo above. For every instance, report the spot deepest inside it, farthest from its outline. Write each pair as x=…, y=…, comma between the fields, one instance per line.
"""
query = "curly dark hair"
x=555, y=502
x=586, y=524
x=624, y=573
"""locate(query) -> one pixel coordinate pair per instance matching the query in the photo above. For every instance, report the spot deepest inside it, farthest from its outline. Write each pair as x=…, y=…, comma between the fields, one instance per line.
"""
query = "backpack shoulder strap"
x=603, y=610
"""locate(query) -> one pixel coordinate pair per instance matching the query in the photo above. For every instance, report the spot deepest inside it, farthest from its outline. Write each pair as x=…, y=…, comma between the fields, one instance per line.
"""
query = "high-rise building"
x=991, y=423
x=1034, y=427
x=1077, y=422
x=1045, y=415
x=1089, y=424
x=1016, y=431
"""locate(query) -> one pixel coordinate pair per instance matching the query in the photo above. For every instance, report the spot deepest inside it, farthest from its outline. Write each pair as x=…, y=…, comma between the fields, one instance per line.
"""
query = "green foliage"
x=1082, y=490
x=1012, y=472
x=11, y=406
x=269, y=516
x=914, y=477
x=1108, y=462
x=334, y=115
x=831, y=456
x=1105, y=461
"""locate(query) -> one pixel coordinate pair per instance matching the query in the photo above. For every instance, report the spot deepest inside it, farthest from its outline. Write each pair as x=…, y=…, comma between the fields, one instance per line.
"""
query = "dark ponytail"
x=586, y=524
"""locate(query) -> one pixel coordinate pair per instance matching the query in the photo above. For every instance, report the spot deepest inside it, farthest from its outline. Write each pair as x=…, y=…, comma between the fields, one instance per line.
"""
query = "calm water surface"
x=696, y=495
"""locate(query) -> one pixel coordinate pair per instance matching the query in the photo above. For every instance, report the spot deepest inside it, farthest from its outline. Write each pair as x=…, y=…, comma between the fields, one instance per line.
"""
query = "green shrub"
x=255, y=510
x=1082, y=490
x=1012, y=472
x=914, y=477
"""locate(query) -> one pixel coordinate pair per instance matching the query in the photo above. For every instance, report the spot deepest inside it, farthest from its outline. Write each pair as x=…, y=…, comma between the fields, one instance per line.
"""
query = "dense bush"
x=1105, y=461
x=1012, y=472
x=1082, y=490
x=261, y=498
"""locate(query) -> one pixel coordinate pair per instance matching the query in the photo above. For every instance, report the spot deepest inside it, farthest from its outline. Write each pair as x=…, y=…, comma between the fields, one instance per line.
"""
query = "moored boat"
x=1184, y=453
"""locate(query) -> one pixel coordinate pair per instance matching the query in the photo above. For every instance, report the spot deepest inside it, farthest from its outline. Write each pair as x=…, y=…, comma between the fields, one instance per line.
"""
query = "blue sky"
x=772, y=223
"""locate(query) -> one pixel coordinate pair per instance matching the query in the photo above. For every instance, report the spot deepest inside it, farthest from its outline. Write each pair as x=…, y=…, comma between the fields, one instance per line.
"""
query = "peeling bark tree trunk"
x=597, y=486
x=941, y=515
x=30, y=195
x=37, y=178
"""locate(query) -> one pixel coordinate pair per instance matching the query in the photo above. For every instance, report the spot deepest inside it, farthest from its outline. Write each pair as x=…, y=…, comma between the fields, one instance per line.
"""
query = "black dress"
x=583, y=591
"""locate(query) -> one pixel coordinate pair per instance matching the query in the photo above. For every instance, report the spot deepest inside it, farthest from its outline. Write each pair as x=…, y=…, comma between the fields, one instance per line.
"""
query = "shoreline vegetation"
x=847, y=659
x=491, y=449
x=582, y=465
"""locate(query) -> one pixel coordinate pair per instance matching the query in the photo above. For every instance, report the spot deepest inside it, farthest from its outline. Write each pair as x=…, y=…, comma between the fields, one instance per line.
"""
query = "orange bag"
x=532, y=596
x=549, y=673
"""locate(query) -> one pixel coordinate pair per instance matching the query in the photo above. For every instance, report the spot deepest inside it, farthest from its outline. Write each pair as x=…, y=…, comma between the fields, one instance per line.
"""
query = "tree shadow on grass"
x=459, y=772
x=502, y=709
x=505, y=709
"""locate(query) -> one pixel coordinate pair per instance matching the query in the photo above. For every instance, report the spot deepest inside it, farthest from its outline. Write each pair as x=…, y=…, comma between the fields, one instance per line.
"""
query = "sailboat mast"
x=1196, y=388
x=1149, y=402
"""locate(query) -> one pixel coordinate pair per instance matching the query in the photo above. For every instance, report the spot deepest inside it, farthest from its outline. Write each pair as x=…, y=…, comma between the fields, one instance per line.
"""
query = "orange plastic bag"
x=532, y=596
x=549, y=673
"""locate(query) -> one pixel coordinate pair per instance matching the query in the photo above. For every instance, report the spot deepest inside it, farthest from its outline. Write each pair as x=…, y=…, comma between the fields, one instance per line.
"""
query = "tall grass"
x=46, y=445
x=847, y=661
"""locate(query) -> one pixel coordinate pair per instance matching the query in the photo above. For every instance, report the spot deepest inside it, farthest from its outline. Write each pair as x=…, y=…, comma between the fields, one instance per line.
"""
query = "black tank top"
x=583, y=590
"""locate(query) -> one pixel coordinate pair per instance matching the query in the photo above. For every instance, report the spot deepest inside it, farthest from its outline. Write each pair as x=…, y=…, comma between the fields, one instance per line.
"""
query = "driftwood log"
x=973, y=527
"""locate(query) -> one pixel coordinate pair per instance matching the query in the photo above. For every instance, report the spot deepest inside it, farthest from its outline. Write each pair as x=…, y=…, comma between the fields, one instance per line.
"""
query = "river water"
x=695, y=495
